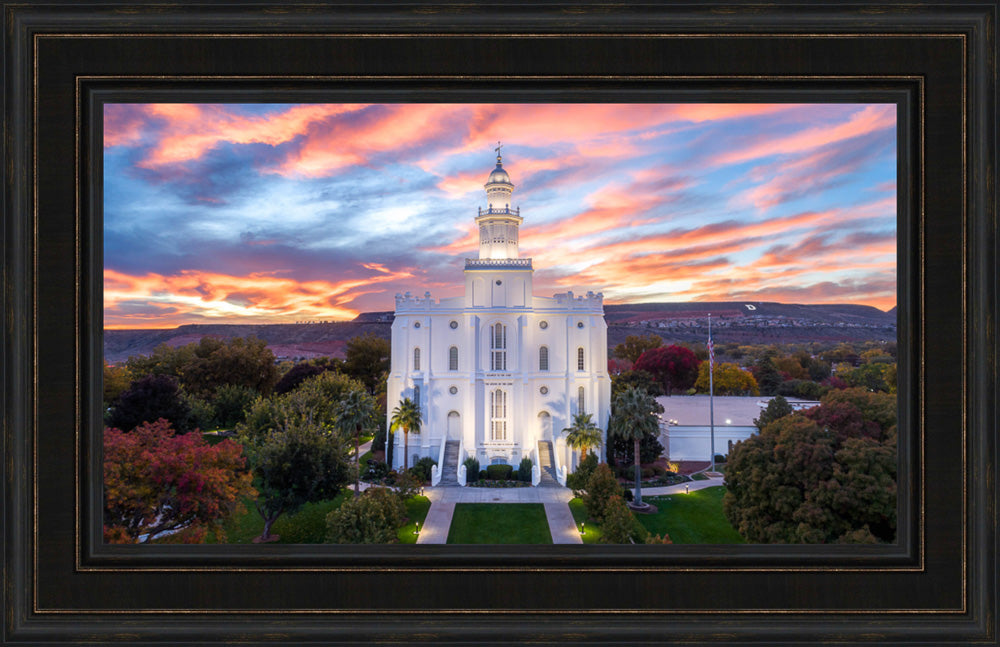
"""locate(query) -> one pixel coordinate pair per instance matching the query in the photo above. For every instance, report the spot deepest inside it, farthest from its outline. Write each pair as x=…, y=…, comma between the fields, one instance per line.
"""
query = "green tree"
x=367, y=359
x=583, y=434
x=117, y=378
x=373, y=518
x=778, y=407
x=640, y=379
x=298, y=463
x=316, y=399
x=164, y=360
x=239, y=361
x=633, y=417
x=767, y=375
x=802, y=482
x=231, y=402
x=635, y=345
x=406, y=416
x=727, y=379
x=356, y=412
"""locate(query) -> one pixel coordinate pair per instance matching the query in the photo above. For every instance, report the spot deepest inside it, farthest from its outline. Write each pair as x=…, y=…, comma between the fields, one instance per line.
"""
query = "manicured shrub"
x=421, y=470
x=483, y=475
x=372, y=518
x=647, y=472
x=719, y=458
x=620, y=526
x=471, y=469
x=407, y=486
x=577, y=481
x=499, y=472
x=602, y=486
x=524, y=469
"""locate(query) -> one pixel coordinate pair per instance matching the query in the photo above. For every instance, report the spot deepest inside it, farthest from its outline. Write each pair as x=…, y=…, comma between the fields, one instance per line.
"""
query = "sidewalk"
x=680, y=487
x=443, y=500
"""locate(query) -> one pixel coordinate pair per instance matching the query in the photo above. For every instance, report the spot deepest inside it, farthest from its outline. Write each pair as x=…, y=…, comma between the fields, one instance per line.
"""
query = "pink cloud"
x=863, y=122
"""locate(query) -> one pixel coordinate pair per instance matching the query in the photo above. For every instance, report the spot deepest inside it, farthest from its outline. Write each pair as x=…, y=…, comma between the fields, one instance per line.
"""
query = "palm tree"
x=355, y=411
x=583, y=434
x=633, y=417
x=407, y=416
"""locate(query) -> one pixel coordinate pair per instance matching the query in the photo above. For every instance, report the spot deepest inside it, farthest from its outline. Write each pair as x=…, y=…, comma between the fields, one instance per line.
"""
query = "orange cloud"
x=208, y=296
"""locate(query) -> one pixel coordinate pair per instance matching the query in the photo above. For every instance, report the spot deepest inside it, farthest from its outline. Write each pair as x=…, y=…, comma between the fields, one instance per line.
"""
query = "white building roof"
x=730, y=410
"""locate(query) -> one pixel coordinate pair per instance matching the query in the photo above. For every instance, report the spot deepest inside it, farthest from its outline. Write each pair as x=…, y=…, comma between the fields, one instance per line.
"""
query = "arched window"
x=498, y=414
x=498, y=348
x=579, y=358
x=543, y=358
x=453, y=358
x=416, y=394
x=416, y=359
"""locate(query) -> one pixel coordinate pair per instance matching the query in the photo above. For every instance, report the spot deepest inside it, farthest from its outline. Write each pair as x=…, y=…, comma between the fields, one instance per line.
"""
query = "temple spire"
x=497, y=149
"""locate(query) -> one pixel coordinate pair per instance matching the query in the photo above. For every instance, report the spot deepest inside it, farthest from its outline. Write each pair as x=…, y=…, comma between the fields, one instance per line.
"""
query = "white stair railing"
x=437, y=470
x=460, y=472
x=536, y=467
x=559, y=469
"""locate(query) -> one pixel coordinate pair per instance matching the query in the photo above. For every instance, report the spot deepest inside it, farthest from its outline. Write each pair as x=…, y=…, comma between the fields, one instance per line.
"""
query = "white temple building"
x=498, y=373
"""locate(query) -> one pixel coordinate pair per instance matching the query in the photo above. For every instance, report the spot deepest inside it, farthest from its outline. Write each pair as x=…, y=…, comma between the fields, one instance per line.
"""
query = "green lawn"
x=499, y=523
x=591, y=531
x=416, y=510
x=694, y=518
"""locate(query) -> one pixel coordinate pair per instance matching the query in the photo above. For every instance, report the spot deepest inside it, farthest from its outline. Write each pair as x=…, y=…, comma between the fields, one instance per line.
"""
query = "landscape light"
x=416, y=531
x=583, y=525
x=687, y=489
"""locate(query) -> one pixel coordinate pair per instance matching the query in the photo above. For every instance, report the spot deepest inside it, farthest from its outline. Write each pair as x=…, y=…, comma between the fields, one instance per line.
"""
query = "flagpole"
x=711, y=390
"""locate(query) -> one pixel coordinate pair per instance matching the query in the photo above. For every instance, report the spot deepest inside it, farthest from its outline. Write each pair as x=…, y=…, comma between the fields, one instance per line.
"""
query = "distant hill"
x=741, y=322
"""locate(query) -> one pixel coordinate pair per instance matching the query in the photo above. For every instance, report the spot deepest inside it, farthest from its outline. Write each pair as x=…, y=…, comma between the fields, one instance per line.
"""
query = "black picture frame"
x=937, y=585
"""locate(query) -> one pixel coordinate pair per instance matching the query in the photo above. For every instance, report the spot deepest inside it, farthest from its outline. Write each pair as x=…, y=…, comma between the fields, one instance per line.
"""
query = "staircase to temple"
x=449, y=473
x=545, y=462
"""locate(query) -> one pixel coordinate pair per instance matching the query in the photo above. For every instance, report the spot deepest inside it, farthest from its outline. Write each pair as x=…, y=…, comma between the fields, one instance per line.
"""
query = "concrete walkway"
x=680, y=487
x=443, y=500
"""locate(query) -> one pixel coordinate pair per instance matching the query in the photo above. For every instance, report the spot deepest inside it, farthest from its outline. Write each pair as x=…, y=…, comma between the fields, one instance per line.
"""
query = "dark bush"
x=296, y=376
x=627, y=494
x=372, y=518
x=421, y=470
x=483, y=475
x=524, y=469
x=376, y=471
x=499, y=472
x=647, y=472
x=147, y=400
x=471, y=469
x=719, y=458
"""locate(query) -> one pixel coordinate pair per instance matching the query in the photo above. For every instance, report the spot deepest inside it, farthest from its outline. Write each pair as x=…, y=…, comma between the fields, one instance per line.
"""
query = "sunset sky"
x=276, y=213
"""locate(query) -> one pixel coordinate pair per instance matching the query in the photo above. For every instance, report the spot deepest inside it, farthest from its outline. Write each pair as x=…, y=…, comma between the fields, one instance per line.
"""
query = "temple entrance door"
x=454, y=425
x=545, y=426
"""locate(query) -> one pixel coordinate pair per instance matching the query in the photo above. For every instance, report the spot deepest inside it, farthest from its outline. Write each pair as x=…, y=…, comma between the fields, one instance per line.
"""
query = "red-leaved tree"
x=673, y=366
x=157, y=482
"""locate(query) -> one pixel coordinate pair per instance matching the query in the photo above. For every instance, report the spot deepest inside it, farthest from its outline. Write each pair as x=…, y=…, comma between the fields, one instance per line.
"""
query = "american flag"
x=711, y=352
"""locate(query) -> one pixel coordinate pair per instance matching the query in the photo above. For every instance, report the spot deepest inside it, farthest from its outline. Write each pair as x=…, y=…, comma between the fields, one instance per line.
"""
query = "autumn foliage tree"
x=635, y=345
x=675, y=367
x=727, y=379
x=157, y=482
